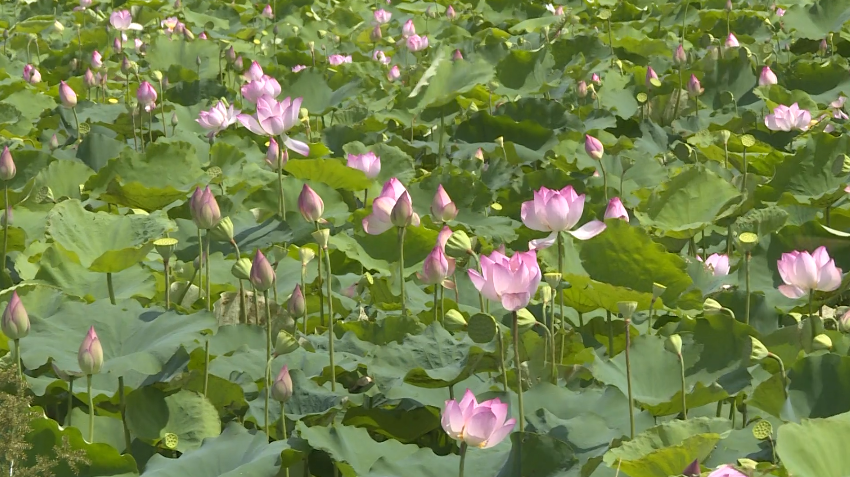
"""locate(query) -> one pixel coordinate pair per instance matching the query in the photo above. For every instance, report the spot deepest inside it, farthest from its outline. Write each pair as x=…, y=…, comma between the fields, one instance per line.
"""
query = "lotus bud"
x=174, y=119
x=321, y=237
x=450, y=13
x=479, y=154
x=146, y=94
x=67, y=96
x=310, y=204
x=767, y=77
x=117, y=46
x=15, y=322
x=500, y=141
x=453, y=320
x=442, y=207
x=458, y=245
x=7, y=165
x=297, y=305
x=582, y=89
x=241, y=269
x=54, y=142
x=58, y=26
x=728, y=5
x=758, y=351
x=306, y=255
x=282, y=387
x=102, y=78
x=457, y=56
x=188, y=36
x=262, y=274
x=126, y=66
x=679, y=57
x=593, y=147
x=692, y=470
x=822, y=342
x=545, y=293
x=88, y=79
x=206, y=212
x=844, y=322
x=238, y=65
x=230, y=55
x=408, y=29
x=627, y=308
x=402, y=213
x=394, y=73
x=90, y=356
x=658, y=290
x=73, y=64
x=694, y=87
x=823, y=47
x=376, y=34
x=223, y=231
x=673, y=344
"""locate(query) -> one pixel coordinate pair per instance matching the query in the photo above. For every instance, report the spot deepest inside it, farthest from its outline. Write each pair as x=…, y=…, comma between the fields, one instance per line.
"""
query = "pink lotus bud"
x=96, y=59
x=595, y=79
x=442, y=207
x=202, y=36
x=582, y=89
x=382, y=16
x=402, y=212
x=267, y=12
x=262, y=273
x=616, y=210
x=650, y=75
x=90, y=356
x=457, y=56
x=394, y=73
x=593, y=147
x=731, y=41
x=694, y=87
x=297, y=68
x=435, y=268
x=100, y=79
x=450, y=13
x=823, y=47
x=89, y=80
x=255, y=72
x=204, y=208
x=7, y=165
x=67, y=96
x=146, y=94
x=479, y=154
x=767, y=77
x=679, y=57
x=376, y=33
x=281, y=389
x=126, y=66
x=15, y=322
x=238, y=64
x=230, y=56
x=408, y=29
x=273, y=155
x=31, y=75
x=417, y=43
x=116, y=45
x=780, y=12
x=310, y=204
x=728, y=5
x=297, y=305
x=54, y=142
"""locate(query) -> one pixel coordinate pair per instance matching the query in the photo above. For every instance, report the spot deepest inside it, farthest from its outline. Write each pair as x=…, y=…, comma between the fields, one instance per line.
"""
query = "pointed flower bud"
x=15, y=323
x=223, y=231
x=767, y=77
x=67, y=96
x=262, y=273
x=457, y=55
x=205, y=213
x=282, y=387
x=88, y=79
x=758, y=351
x=582, y=89
x=436, y=267
x=731, y=41
x=694, y=86
x=593, y=147
x=230, y=55
x=310, y=204
x=650, y=75
x=90, y=356
x=673, y=344
x=96, y=59
x=679, y=57
x=7, y=165
x=442, y=207
x=616, y=210
x=408, y=29
x=146, y=94
x=402, y=213
x=376, y=33
x=54, y=142
x=297, y=305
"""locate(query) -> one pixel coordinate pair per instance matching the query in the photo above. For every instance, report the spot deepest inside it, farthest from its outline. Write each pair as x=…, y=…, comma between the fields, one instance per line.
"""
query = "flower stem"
x=401, y=231
x=122, y=406
x=321, y=293
x=109, y=288
x=436, y=294
x=91, y=409
x=268, y=357
x=281, y=206
x=550, y=341
x=330, y=321
x=747, y=256
x=811, y=305
x=604, y=180
x=560, y=290
x=462, y=459
x=628, y=323
x=243, y=312
x=304, y=291
x=684, y=17
x=206, y=366
x=207, y=270
x=611, y=335
x=5, y=223
x=501, y=351
x=678, y=92
x=200, y=263
x=18, y=361
x=167, y=285
x=684, y=394
x=77, y=123
x=781, y=370
x=70, y=398
x=745, y=167
x=515, y=333
x=162, y=110
x=651, y=314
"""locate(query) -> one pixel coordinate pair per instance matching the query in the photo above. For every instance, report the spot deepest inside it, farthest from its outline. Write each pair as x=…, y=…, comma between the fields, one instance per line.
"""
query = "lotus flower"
x=726, y=471
x=650, y=75
x=88, y=79
x=310, y=204
x=282, y=387
x=694, y=86
x=767, y=77
x=479, y=425
x=262, y=273
x=297, y=68
x=256, y=89
x=394, y=73
x=15, y=322
x=557, y=211
x=382, y=16
x=717, y=263
x=336, y=60
x=368, y=162
x=275, y=119
x=67, y=96
x=122, y=20
x=204, y=209
x=593, y=147
x=146, y=94
x=442, y=207
x=273, y=155
x=90, y=355
x=394, y=200
x=581, y=89
x=779, y=13
x=457, y=55
x=297, y=305
x=788, y=118
x=267, y=12
x=7, y=165
x=679, y=56
x=731, y=41
x=381, y=57
x=218, y=118
x=595, y=79
x=31, y=75
x=436, y=268
x=96, y=59
x=803, y=272
x=254, y=72
x=169, y=24
x=450, y=12
x=615, y=210
x=510, y=281
x=408, y=29
x=417, y=43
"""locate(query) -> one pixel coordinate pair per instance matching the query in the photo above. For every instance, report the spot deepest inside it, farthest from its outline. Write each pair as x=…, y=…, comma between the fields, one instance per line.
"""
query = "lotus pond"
x=497, y=238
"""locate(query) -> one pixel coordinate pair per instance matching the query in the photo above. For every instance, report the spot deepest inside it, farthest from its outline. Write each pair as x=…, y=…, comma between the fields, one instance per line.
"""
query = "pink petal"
x=252, y=124
x=829, y=278
x=479, y=428
x=297, y=146
x=589, y=230
x=452, y=420
x=538, y=244
x=530, y=218
x=515, y=301
x=791, y=291
x=499, y=434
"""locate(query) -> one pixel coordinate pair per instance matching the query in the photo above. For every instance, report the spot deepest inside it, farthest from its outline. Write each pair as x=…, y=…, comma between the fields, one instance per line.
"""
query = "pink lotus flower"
x=273, y=157
x=15, y=322
x=650, y=75
x=442, y=207
x=450, y=12
x=726, y=471
x=788, y=118
x=267, y=12
x=679, y=56
x=262, y=274
x=767, y=77
x=803, y=272
x=336, y=60
x=408, y=29
x=780, y=12
x=146, y=94
x=96, y=59
x=275, y=119
x=557, y=211
x=310, y=204
x=254, y=72
x=31, y=75
x=256, y=89
x=393, y=198
x=417, y=43
x=615, y=210
x=694, y=87
x=717, y=263
x=436, y=268
x=90, y=355
x=297, y=68
x=169, y=24
x=122, y=20
x=382, y=16
x=88, y=79
x=202, y=36
x=479, y=425
x=204, y=209
x=369, y=163
x=218, y=118
x=510, y=281
x=381, y=57
x=67, y=96
x=394, y=73
x=581, y=89
x=457, y=55
x=731, y=41
x=593, y=147
x=595, y=79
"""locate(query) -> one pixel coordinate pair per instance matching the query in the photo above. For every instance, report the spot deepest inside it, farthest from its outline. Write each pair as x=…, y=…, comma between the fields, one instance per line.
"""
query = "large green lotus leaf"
x=152, y=413
x=65, y=177
x=587, y=432
x=236, y=452
x=731, y=73
x=434, y=358
x=163, y=54
x=403, y=423
x=618, y=94
x=425, y=463
x=815, y=447
x=353, y=446
x=103, y=459
x=808, y=175
x=30, y=103
x=524, y=71
x=539, y=455
x=310, y=402
x=444, y=80
x=823, y=81
x=626, y=256
x=29, y=163
x=391, y=328
x=589, y=295
x=107, y=429
x=484, y=128
x=815, y=381
x=689, y=202
x=667, y=449
x=319, y=97
x=98, y=148
x=134, y=339
x=381, y=252
x=332, y=172
x=105, y=242
x=816, y=20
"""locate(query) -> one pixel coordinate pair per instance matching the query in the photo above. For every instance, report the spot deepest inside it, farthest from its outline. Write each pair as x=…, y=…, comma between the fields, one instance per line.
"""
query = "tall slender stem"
x=304, y=291
x=256, y=305
x=684, y=17
x=200, y=263
x=678, y=93
x=436, y=295
x=91, y=409
x=401, y=231
x=268, y=357
x=110, y=288
x=321, y=293
x=560, y=290
x=167, y=285
x=284, y=434
x=515, y=333
x=330, y=321
x=70, y=398
x=462, y=459
x=206, y=366
x=747, y=256
x=684, y=394
x=550, y=341
x=6, y=220
x=18, y=361
x=162, y=110
x=243, y=311
x=611, y=334
x=442, y=133
x=122, y=406
x=628, y=322
x=604, y=180
x=281, y=205
x=207, y=270
x=501, y=350
x=651, y=314
x=77, y=123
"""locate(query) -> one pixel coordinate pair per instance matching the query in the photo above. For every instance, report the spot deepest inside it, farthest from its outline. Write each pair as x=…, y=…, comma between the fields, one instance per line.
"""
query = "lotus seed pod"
x=552, y=278
x=282, y=387
x=453, y=320
x=458, y=245
x=748, y=241
x=525, y=320
x=285, y=343
x=7, y=165
x=90, y=355
x=223, y=232
x=758, y=350
x=658, y=290
x=822, y=342
x=297, y=306
x=627, y=308
x=241, y=269
x=15, y=322
x=306, y=255
x=262, y=274
x=165, y=247
x=321, y=237
x=673, y=344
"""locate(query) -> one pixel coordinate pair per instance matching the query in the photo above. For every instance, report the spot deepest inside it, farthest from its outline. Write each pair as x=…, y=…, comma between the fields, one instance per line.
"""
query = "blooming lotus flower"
x=386, y=205
x=803, y=272
x=96, y=59
x=788, y=118
x=7, y=165
x=394, y=73
x=593, y=147
x=615, y=210
x=436, y=268
x=275, y=119
x=122, y=20
x=262, y=273
x=694, y=87
x=218, y=118
x=382, y=16
x=169, y=24
x=310, y=204
x=297, y=68
x=381, y=57
x=67, y=96
x=731, y=41
x=15, y=322
x=417, y=43
x=510, y=281
x=90, y=355
x=650, y=75
x=726, y=471
x=204, y=209
x=31, y=75
x=557, y=211
x=146, y=94
x=256, y=89
x=767, y=77
x=450, y=12
x=368, y=162
x=479, y=425
x=442, y=207
x=267, y=12
x=679, y=56
x=336, y=60
x=718, y=263
x=408, y=29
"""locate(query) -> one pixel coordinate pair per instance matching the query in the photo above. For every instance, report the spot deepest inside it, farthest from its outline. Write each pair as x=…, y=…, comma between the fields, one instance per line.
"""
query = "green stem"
x=243, y=312
x=684, y=394
x=91, y=409
x=678, y=94
x=5, y=223
x=442, y=132
x=281, y=204
x=604, y=180
x=330, y=321
x=629, y=377
x=109, y=288
x=122, y=406
x=745, y=166
x=321, y=293
x=550, y=339
x=610, y=37
x=501, y=351
x=268, y=357
x=811, y=301
x=747, y=286
x=77, y=123
x=200, y=263
x=401, y=231
x=206, y=366
x=515, y=333
x=560, y=290
x=610, y=334
x=462, y=459
x=684, y=17
x=70, y=398
x=18, y=361
x=256, y=305
x=781, y=370
x=304, y=292
x=719, y=411
x=167, y=285
x=162, y=110
x=436, y=294
x=651, y=314
x=207, y=270
x=725, y=155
